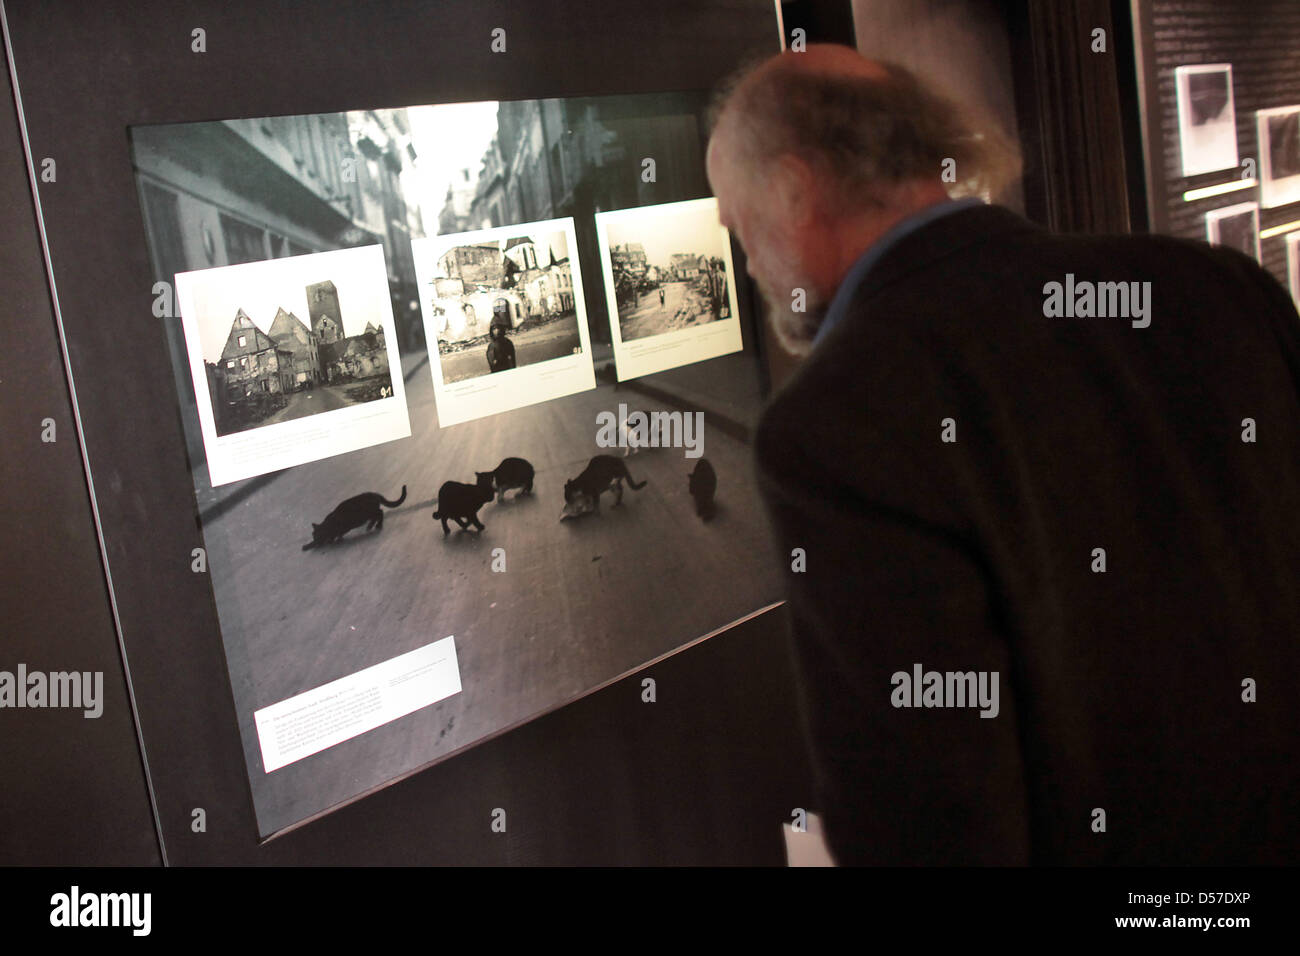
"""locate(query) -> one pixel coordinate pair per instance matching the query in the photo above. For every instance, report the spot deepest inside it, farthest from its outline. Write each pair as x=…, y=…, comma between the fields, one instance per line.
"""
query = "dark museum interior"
x=546, y=680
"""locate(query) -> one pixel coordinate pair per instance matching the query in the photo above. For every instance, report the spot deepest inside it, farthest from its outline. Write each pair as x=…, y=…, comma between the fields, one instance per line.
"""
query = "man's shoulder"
x=965, y=296
x=984, y=266
x=994, y=240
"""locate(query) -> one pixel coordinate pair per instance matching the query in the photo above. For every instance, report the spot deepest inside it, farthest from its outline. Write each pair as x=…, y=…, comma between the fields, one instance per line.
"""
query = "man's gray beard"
x=796, y=330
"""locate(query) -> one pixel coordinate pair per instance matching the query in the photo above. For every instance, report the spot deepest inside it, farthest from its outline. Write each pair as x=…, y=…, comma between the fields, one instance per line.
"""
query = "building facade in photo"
x=252, y=362
x=292, y=336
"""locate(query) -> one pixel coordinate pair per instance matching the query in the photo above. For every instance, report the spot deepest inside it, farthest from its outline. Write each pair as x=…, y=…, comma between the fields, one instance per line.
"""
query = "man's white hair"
x=866, y=134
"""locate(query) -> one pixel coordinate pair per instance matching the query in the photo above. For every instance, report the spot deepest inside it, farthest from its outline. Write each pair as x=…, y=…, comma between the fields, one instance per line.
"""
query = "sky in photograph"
x=666, y=231
x=262, y=288
x=448, y=139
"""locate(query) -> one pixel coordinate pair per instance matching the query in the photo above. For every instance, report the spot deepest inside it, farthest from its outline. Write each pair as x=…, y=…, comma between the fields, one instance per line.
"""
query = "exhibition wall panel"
x=115, y=230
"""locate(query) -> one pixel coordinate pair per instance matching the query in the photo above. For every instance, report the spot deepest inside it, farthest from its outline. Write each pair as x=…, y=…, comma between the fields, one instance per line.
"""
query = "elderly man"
x=1039, y=495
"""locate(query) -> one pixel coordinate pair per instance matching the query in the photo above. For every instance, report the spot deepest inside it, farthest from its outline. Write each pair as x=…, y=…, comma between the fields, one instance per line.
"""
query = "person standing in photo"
x=500, y=351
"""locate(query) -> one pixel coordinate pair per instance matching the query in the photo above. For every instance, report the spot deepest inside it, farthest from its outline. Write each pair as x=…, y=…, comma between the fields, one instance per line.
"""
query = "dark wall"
x=707, y=774
x=1261, y=40
x=961, y=48
x=72, y=788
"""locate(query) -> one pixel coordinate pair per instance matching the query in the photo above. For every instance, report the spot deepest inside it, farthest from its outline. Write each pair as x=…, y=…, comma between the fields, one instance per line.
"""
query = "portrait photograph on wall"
x=1279, y=155
x=669, y=284
x=1236, y=227
x=293, y=359
x=506, y=309
x=1207, y=121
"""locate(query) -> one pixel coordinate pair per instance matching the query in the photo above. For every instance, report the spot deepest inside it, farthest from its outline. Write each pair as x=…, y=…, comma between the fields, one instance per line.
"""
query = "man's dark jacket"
x=1128, y=731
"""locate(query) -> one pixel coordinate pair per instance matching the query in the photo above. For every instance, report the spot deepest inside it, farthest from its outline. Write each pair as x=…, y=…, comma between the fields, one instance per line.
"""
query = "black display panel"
x=86, y=78
x=338, y=291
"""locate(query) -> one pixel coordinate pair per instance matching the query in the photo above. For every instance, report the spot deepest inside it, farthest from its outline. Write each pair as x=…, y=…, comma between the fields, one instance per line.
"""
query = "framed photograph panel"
x=381, y=534
x=507, y=311
x=669, y=285
x=1236, y=227
x=1207, y=121
x=1279, y=155
x=292, y=360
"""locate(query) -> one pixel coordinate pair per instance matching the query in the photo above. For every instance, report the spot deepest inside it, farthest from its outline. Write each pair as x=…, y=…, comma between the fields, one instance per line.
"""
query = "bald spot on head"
x=827, y=60
x=737, y=152
x=877, y=136
x=735, y=148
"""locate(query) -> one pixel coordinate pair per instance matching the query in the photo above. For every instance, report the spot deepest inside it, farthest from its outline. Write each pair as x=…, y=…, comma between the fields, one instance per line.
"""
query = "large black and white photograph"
x=293, y=359
x=1279, y=156
x=506, y=309
x=1207, y=120
x=385, y=609
x=1236, y=227
x=669, y=285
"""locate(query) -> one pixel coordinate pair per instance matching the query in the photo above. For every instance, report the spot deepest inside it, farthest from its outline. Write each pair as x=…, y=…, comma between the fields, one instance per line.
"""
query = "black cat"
x=511, y=473
x=703, y=482
x=460, y=503
x=603, y=473
x=363, y=509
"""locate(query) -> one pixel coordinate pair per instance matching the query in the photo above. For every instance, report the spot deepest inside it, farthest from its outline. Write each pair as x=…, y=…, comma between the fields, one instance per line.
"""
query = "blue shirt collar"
x=864, y=263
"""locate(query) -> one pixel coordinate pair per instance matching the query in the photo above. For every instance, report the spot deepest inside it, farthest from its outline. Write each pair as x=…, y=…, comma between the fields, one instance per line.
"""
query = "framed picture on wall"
x=507, y=311
x=293, y=360
x=1279, y=155
x=388, y=383
x=668, y=281
x=1236, y=227
x=1207, y=121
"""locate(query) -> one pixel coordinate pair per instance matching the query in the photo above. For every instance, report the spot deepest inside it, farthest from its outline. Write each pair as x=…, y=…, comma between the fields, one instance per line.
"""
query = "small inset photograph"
x=669, y=285
x=1279, y=155
x=1236, y=227
x=293, y=359
x=505, y=308
x=1207, y=120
